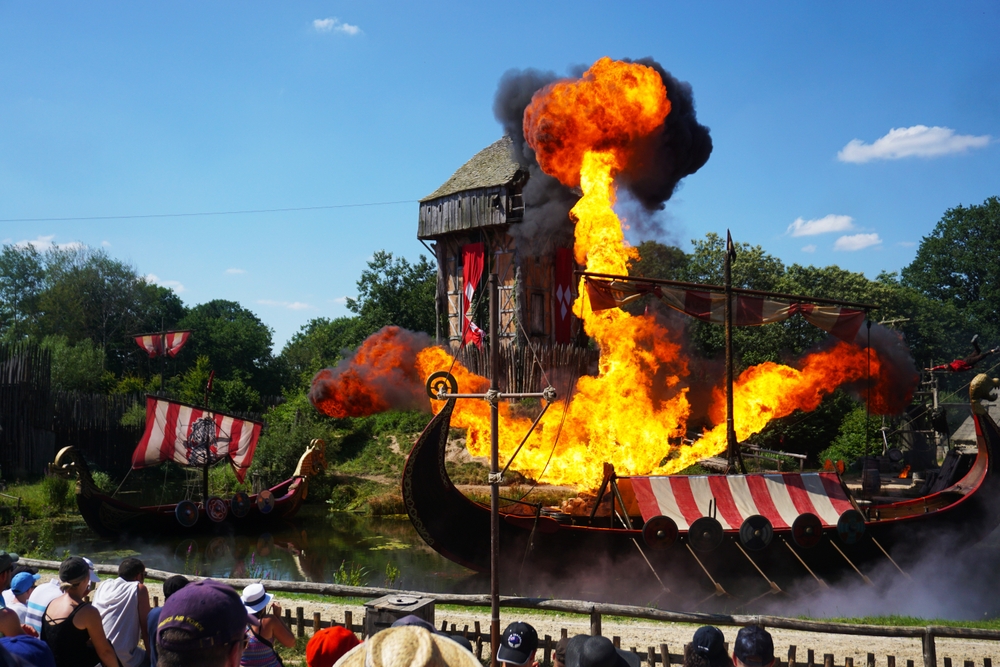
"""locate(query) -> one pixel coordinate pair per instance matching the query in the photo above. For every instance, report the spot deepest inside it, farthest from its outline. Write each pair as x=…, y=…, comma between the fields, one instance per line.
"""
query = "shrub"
x=386, y=504
x=289, y=429
x=856, y=432
x=56, y=492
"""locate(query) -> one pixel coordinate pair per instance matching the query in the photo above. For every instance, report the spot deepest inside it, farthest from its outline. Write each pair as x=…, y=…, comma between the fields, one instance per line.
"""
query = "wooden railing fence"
x=596, y=611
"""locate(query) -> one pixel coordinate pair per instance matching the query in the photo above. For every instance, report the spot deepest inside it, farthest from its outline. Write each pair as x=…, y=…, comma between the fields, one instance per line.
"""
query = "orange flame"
x=635, y=411
x=381, y=375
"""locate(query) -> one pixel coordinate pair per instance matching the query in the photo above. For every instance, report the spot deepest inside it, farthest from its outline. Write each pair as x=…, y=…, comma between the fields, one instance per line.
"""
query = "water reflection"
x=316, y=545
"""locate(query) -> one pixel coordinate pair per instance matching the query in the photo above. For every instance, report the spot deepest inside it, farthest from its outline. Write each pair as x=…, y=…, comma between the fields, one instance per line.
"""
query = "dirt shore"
x=641, y=634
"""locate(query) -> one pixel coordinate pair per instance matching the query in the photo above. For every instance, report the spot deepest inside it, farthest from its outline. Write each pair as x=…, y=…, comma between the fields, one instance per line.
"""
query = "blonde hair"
x=66, y=585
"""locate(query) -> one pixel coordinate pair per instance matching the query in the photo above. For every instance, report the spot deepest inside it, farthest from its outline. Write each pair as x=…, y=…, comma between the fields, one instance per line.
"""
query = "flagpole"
x=163, y=355
x=493, y=399
x=734, y=456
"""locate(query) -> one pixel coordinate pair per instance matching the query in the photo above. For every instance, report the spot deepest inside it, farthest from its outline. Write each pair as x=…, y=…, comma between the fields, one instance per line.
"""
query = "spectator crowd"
x=67, y=622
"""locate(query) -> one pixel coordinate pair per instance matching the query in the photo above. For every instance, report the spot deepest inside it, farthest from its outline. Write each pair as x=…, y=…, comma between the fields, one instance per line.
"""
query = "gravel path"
x=641, y=634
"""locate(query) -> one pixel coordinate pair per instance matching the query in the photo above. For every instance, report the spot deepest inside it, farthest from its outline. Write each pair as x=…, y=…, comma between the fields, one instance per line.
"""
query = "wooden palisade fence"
x=521, y=368
x=652, y=655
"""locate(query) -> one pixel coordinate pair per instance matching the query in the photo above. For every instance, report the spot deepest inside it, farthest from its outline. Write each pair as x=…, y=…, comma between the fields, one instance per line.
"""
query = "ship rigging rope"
x=569, y=397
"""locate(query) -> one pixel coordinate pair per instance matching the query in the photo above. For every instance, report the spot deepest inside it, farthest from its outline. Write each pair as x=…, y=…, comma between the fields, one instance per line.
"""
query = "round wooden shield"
x=186, y=513
x=659, y=532
x=240, y=504
x=265, y=501
x=439, y=380
x=807, y=530
x=705, y=534
x=215, y=508
x=850, y=526
x=756, y=532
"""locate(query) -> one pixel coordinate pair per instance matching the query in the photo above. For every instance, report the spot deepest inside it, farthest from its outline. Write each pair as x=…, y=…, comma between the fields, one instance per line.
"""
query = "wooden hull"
x=110, y=518
x=458, y=529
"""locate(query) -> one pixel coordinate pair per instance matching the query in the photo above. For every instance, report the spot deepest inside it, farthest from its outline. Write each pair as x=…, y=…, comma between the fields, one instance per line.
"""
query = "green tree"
x=318, y=344
x=657, y=260
x=78, y=367
x=22, y=277
x=393, y=291
x=235, y=342
x=88, y=295
x=954, y=265
x=859, y=435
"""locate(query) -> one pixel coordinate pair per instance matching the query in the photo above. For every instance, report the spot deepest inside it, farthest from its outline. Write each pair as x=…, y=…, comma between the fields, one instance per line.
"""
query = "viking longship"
x=742, y=535
x=194, y=438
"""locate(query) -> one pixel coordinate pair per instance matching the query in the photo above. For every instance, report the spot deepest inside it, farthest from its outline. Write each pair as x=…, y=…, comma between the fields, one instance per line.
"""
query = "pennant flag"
x=153, y=343
x=473, y=257
x=168, y=437
x=841, y=322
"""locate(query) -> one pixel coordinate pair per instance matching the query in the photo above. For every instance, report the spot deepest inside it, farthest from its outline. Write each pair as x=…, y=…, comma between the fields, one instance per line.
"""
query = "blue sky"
x=862, y=121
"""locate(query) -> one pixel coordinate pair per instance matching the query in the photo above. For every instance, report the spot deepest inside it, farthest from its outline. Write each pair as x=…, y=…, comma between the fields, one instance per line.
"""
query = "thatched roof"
x=489, y=167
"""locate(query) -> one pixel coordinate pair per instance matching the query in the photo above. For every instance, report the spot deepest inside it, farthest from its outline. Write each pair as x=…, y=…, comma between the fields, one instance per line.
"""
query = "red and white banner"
x=779, y=497
x=843, y=323
x=153, y=343
x=473, y=258
x=563, y=304
x=168, y=427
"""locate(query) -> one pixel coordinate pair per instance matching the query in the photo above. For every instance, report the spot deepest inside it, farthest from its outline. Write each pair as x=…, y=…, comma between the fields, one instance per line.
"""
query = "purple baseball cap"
x=210, y=611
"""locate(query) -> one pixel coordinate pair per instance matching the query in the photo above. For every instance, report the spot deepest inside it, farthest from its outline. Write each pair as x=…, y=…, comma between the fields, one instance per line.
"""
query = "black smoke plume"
x=679, y=148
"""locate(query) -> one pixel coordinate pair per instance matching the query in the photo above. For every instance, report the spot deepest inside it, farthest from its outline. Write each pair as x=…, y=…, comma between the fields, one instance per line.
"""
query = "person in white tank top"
x=124, y=607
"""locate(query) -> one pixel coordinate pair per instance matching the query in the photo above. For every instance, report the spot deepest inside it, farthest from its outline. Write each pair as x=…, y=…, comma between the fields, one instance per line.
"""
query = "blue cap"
x=23, y=582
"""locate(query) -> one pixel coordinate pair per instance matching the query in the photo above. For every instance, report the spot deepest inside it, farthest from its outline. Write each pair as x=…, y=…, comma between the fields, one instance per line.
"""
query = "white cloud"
x=335, y=25
x=340, y=300
x=824, y=225
x=907, y=244
x=105, y=244
x=45, y=243
x=290, y=305
x=916, y=141
x=175, y=285
x=234, y=272
x=856, y=242
x=809, y=248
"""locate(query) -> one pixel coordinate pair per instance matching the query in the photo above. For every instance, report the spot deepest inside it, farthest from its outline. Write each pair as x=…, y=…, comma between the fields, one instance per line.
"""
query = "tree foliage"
x=393, y=291
x=319, y=344
x=954, y=266
x=235, y=342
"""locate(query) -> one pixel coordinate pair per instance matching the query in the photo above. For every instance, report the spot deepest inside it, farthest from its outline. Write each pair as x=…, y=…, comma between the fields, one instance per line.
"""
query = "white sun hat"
x=255, y=598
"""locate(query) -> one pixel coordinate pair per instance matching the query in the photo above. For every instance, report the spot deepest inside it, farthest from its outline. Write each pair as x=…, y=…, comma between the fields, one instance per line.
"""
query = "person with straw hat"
x=408, y=646
x=259, y=651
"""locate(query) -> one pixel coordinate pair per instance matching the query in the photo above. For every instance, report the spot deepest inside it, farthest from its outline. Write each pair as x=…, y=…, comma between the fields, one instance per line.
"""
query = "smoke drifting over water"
x=677, y=149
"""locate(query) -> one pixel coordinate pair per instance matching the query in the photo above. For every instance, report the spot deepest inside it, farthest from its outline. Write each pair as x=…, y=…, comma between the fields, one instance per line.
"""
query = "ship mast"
x=733, y=453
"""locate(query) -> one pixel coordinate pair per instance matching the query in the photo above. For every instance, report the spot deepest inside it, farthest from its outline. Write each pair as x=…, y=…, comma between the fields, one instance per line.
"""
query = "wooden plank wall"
x=467, y=210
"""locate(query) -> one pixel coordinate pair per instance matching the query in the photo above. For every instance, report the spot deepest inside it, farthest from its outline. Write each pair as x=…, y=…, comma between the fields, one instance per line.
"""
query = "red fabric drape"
x=473, y=257
x=563, y=305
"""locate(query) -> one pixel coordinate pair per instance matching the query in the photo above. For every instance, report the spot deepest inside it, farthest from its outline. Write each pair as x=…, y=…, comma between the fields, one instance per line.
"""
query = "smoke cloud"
x=897, y=378
x=679, y=148
x=381, y=375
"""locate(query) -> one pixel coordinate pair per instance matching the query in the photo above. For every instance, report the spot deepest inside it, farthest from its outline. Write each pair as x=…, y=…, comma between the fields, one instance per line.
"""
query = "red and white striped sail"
x=779, y=497
x=168, y=427
x=710, y=306
x=154, y=343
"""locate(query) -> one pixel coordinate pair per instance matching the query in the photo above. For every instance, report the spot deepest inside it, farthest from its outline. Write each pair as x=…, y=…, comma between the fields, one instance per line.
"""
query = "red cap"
x=328, y=645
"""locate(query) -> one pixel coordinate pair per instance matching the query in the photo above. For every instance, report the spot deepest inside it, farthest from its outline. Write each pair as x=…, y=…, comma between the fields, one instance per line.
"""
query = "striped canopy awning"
x=779, y=497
